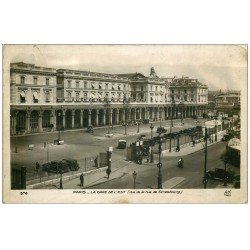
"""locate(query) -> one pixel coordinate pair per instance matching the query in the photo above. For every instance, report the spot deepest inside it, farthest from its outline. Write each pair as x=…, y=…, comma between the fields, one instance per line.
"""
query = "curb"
x=66, y=178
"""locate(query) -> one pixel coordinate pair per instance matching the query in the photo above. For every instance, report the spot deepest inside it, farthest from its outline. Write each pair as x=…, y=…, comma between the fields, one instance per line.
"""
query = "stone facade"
x=46, y=99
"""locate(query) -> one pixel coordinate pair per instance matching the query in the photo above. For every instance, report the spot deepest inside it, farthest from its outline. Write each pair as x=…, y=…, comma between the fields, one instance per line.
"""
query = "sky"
x=219, y=66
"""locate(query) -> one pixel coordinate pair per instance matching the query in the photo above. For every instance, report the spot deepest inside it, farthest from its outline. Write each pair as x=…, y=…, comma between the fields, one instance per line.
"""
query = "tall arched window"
x=46, y=119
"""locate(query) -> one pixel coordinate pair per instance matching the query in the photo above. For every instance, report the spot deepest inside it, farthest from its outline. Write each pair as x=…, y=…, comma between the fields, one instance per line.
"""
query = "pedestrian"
x=193, y=143
x=81, y=180
x=96, y=162
x=210, y=140
x=108, y=171
x=37, y=167
x=178, y=149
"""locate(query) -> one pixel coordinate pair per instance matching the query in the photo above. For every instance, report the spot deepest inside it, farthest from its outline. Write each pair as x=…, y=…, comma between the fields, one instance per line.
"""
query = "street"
x=193, y=171
x=79, y=144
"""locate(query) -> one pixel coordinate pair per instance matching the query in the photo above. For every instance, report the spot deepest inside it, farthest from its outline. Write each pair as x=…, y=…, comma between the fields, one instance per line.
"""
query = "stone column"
x=13, y=123
x=53, y=119
x=110, y=117
x=97, y=117
x=81, y=118
x=40, y=126
x=89, y=118
x=27, y=122
x=117, y=116
x=104, y=117
x=123, y=115
x=63, y=118
x=73, y=118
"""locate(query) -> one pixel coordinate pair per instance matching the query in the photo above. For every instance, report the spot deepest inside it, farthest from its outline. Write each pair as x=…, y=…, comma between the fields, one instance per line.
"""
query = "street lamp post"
x=61, y=184
x=160, y=130
x=171, y=125
x=59, y=127
x=225, y=168
x=134, y=176
x=109, y=153
x=216, y=128
x=138, y=127
x=151, y=127
x=205, y=179
x=151, y=150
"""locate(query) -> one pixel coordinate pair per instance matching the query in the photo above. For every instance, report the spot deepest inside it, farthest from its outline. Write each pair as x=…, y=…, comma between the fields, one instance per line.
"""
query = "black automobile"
x=55, y=167
x=122, y=144
x=71, y=164
x=220, y=175
x=226, y=137
x=64, y=166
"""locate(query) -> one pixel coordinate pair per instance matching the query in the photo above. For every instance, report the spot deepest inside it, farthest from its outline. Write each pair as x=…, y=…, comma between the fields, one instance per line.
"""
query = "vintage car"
x=72, y=164
x=220, y=175
x=66, y=165
x=122, y=144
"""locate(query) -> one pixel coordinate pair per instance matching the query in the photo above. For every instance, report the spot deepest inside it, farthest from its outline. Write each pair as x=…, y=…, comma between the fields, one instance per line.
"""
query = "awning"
x=35, y=95
x=22, y=94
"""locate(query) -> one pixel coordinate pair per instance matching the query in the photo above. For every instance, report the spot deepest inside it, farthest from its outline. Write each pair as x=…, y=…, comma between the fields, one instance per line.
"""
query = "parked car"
x=122, y=144
x=63, y=166
x=142, y=137
x=71, y=163
x=220, y=174
x=226, y=137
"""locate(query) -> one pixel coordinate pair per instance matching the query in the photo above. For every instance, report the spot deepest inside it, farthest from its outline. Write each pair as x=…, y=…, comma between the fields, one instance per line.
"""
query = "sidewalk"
x=91, y=179
x=188, y=148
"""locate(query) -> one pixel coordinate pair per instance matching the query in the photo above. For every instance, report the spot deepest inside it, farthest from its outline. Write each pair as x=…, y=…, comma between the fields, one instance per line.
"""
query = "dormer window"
x=35, y=80
x=22, y=80
x=69, y=84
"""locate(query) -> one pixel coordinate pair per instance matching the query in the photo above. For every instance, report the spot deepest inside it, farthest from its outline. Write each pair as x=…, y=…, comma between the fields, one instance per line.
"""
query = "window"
x=69, y=84
x=77, y=95
x=119, y=87
x=77, y=84
x=85, y=84
x=47, y=81
x=185, y=91
x=156, y=88
x=106, y=85
x=185, y=98
x=134, y=88
x=47, y=96
x=113, y=87
x=22, y=97
x=172, y=91
x=93, y=85
x=35, y=80
x=35, y=97
x=22, y=80
x=141, y=88
x=100, y=86
x=85, y=94
x=69, y=94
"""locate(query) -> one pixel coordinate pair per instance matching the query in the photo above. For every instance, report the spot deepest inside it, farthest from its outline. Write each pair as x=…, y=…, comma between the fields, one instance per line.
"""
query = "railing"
x=85, y=164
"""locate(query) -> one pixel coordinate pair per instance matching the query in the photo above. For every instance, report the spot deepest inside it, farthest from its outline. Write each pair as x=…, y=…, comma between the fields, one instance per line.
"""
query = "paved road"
x=79, y=144
x=192, y=171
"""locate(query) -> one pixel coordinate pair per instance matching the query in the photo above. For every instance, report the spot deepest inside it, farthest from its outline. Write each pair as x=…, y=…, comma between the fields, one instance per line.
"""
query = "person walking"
x=37, y=167
x=81, y=180
x=108, y=172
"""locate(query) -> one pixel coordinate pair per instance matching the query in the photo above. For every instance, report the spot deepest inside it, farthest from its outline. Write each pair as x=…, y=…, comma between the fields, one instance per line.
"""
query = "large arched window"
x=21, y=121
x=46, y=119
x=34, y=120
